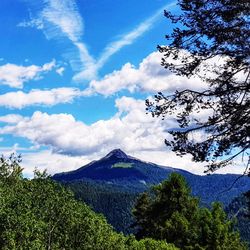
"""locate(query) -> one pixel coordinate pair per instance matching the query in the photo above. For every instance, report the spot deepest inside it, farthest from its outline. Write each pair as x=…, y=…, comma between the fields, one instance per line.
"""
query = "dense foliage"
x=211, y=41
x=115, y=203
x=170, y=213
x=41, y=214
x=113, y=191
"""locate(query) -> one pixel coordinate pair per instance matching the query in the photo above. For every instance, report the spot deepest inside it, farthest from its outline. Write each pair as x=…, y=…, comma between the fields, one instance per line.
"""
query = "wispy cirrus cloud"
x=132, y=35
x=124, y=40
x=16, y=75
x=35, y=23
x=61, y=19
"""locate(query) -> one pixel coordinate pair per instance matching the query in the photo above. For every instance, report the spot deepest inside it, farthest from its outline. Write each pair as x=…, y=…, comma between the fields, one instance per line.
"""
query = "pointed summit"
x=118, y=153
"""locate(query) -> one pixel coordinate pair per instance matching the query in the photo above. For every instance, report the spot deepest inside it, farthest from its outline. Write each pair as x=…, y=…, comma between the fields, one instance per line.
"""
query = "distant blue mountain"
x=122, y=172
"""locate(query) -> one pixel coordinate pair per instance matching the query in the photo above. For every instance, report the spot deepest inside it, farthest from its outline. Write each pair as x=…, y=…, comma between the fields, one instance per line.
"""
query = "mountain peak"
x=118, y=153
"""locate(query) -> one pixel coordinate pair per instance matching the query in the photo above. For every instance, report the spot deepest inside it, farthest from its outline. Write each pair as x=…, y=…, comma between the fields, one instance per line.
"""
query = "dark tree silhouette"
x=205, y=32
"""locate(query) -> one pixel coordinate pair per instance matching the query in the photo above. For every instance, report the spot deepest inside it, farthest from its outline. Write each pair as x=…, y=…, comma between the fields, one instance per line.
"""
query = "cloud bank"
x=131, y=130
x=149, y=76
x=72, y=143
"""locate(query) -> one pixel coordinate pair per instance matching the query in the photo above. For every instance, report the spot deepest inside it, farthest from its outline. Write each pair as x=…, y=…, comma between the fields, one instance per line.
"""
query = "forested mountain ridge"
x=111, y=185
x=127, y=173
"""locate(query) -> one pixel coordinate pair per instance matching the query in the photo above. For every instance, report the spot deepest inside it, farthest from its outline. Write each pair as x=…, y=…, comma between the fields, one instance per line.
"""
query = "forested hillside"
x=114, y=201
x=112, y=191
x=42, y=214
x=238, y=209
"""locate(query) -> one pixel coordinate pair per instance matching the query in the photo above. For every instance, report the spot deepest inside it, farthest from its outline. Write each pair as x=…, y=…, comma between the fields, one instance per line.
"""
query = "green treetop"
x=170, y=213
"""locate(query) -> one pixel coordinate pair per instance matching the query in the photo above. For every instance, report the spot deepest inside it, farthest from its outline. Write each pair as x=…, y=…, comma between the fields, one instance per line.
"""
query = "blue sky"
x=73, y=79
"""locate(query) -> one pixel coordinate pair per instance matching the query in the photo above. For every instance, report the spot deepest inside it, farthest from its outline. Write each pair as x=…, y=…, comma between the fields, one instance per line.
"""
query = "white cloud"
x=44, y=159
x=60, y=71
x=132, y=130
x=11, y=118
x=52, y=162
x=50, y=97
x=150, y=76
x=73, y=143
x=15, y=75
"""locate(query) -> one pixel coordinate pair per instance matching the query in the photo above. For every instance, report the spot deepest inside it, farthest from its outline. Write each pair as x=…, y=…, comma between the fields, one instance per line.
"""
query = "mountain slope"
x=128, y=173
x=110, y=185
x=117, y=168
